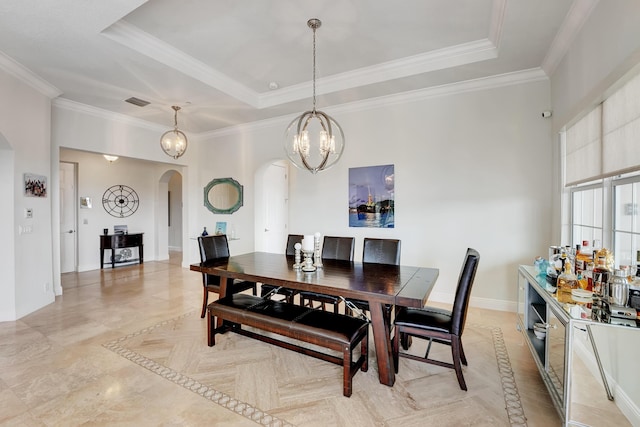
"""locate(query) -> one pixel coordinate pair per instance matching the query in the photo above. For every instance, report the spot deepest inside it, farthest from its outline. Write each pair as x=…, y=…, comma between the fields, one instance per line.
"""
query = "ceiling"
x=217, y=59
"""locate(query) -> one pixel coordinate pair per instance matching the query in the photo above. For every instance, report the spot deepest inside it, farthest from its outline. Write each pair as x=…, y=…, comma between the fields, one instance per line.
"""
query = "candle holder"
x=297, y=265
x=316, y=251
x=307, y=265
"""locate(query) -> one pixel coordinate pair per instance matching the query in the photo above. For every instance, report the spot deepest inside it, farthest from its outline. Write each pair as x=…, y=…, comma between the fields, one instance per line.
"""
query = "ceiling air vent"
x=136, y=101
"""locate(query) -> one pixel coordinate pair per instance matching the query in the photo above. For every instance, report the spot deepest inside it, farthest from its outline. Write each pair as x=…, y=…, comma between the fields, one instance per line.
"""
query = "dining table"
x=381, y=285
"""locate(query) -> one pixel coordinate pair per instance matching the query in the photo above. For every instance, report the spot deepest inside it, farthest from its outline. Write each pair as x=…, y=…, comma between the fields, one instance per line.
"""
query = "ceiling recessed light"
x=273, y=85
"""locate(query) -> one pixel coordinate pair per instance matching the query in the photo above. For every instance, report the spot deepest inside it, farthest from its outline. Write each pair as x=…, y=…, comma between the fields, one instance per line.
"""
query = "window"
x=586, y=214
x=603, y=145
x=592, y=206
x=626, y=225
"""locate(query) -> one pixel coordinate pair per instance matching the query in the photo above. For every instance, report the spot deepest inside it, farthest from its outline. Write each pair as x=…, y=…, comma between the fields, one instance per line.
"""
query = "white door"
x=68, y=222
x=276, y=210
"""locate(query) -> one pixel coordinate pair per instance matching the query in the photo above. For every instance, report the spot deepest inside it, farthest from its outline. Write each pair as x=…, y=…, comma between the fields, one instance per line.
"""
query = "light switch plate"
x=28, y=213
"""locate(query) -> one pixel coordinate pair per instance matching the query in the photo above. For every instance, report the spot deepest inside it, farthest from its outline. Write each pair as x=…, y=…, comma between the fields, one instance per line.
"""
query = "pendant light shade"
x=174, y=142
x=314, y=141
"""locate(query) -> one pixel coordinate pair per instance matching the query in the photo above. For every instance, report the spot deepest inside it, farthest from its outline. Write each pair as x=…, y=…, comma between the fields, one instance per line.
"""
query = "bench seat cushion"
x=279, y=311
x=289, y=319
x=331, y=326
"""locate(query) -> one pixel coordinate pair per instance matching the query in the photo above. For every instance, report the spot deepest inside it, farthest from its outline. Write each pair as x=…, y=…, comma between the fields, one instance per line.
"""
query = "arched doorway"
x=169, y=222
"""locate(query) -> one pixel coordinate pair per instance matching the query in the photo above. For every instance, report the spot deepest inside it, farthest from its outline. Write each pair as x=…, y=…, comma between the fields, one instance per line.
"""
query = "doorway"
x=272, y=198
x=170, y=217
x=68, y=218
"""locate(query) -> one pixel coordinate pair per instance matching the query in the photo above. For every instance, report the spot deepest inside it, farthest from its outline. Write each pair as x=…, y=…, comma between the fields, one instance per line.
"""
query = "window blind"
x=621, y=130
x=583, y=158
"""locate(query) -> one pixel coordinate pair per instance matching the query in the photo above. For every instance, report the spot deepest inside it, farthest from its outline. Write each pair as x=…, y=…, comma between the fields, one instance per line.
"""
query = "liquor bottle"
x=563, y=262
x=583, y=256
x=601, y=275
x=571, y=254
x=567, y=281
x=588, y=276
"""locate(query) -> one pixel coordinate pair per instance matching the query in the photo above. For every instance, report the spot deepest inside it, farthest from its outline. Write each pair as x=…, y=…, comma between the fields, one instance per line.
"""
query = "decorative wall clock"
x=120, y=201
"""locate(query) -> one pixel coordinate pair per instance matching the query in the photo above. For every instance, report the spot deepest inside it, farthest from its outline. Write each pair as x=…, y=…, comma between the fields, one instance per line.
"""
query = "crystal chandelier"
x=313, y=140
x=174, y=142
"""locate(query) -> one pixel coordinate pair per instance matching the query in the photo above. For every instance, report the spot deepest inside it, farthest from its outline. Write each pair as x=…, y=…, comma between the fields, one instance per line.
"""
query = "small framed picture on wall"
x=35, y=185
x=85, y=202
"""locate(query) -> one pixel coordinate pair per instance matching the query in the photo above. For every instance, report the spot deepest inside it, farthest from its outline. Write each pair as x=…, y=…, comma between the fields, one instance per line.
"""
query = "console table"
x=587, y=365
x=119, y=241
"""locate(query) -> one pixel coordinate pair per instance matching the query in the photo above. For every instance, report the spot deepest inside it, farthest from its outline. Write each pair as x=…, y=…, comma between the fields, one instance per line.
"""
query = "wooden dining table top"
x=390, y=284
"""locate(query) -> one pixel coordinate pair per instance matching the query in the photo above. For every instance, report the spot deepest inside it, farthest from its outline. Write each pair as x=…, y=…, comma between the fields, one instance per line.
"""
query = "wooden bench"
x=325, y=329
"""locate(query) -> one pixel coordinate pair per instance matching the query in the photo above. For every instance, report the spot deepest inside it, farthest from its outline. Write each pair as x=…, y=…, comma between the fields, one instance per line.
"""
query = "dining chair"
x=377, y=251
x=333, y=248
x=272, y=290
x=213, y=248
x=439, y=325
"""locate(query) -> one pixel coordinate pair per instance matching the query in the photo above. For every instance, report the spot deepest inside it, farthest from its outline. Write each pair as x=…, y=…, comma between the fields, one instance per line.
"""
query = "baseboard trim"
x=478, y=302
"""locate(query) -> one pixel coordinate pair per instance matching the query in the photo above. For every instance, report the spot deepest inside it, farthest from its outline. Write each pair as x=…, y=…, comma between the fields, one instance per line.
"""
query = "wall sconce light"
x=109, y=158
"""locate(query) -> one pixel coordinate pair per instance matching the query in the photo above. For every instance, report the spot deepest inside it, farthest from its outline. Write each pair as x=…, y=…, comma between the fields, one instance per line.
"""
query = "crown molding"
x=78, y=107
x=466, y=53
x=449, y=57
x=25, y=75
x=569, y=29
x=497, y=22
x=144, y=43
x=491, y=82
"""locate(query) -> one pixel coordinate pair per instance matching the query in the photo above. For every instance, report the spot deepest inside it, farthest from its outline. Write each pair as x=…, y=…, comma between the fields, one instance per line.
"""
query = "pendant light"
x=174, y=142
x=314, y=141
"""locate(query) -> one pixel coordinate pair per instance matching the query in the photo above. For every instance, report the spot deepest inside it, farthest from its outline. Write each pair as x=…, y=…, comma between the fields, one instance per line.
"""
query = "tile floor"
x=54, y=369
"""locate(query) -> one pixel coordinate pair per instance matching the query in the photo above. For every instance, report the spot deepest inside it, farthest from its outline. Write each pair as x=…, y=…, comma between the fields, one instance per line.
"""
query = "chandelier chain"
x=175, y=116
x=314, y=69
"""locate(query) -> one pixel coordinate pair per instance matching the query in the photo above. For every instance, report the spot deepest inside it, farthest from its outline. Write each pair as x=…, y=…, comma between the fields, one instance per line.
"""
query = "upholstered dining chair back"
x=336, y=248
x=438, y=325
x=213, y=247
x=463, y=291
x=381, y=251
x=268, y=289
x=292, y=239
x=378, y=251
x=339, y=248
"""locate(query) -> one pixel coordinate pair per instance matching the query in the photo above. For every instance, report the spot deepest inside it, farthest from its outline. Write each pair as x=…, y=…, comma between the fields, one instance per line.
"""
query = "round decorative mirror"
x=223, y=195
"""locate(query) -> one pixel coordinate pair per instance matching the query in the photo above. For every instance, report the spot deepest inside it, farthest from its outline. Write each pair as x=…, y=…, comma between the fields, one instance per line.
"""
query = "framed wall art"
x=35, y=185
x=85, y=203
x=372, y=196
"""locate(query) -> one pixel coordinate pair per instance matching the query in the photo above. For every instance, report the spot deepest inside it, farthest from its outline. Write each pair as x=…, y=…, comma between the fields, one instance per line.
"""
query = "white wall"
x=472, y=170
x=95, y=175
x=25, y=129
x=142, y=163
x=607, y=47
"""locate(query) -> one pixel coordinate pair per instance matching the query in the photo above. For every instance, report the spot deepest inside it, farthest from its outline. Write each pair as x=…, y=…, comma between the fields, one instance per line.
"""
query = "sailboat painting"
x=371, y=196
